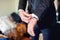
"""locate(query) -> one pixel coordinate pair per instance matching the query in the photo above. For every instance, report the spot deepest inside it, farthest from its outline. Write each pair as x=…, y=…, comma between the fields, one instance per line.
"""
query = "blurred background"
x=8, y=6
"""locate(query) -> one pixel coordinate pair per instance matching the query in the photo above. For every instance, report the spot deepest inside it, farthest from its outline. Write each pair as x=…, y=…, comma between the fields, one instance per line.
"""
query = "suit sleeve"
x=40, y=7
x=22, y=4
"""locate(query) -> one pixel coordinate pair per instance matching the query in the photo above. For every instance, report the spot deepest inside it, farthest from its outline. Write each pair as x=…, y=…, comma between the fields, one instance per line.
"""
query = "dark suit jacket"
x=44, y=9
x=59, y=12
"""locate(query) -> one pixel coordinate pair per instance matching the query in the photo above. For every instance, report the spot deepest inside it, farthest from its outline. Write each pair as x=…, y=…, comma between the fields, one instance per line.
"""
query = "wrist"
x=34, y=20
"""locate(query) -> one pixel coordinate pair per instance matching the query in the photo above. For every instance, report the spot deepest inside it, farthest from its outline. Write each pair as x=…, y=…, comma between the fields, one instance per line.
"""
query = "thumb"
x=28, y=16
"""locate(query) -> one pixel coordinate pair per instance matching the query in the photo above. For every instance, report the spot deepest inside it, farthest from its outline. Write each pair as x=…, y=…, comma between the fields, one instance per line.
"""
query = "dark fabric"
x=48, y=19
x=22, y=4
x=59, y=13
x=55, y=32
x=45, y=32
x=16, y=17
x=44, y=9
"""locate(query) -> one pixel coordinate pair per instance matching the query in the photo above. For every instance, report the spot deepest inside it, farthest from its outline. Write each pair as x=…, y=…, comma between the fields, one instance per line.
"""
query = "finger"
x=26, y=14
x=31, y=33
x=26, y=21
x=30, y=30
x=25, y=18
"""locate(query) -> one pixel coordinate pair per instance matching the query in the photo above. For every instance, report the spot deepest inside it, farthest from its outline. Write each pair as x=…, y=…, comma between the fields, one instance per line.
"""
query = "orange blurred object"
x=25, y=38
x=18, y=32
x=21, y=27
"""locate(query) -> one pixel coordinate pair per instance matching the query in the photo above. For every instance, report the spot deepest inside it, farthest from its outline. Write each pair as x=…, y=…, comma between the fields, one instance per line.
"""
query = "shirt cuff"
x=20, y=10
x=34, y=16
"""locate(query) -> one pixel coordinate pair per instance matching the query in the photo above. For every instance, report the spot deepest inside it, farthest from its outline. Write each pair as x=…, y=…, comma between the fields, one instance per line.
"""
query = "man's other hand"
x=31, y=26
x=25, y=17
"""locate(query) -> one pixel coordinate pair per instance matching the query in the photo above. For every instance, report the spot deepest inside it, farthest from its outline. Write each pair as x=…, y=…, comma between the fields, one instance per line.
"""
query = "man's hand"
x=25, y=17
x=31, y=26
